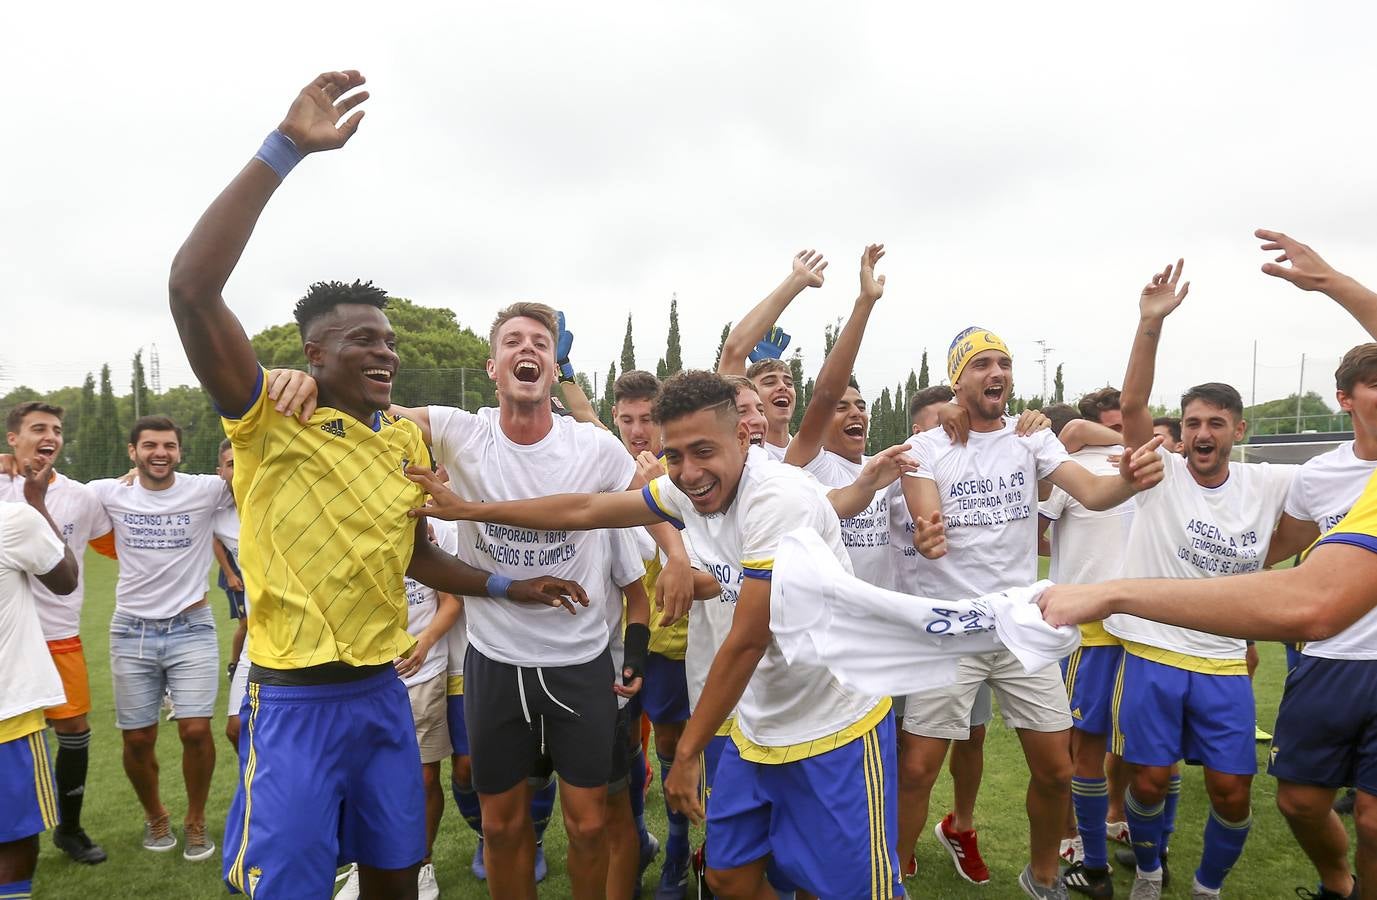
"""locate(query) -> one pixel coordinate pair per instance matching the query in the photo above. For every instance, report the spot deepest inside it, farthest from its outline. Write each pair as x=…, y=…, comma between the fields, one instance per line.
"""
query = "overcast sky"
x=1027, y=165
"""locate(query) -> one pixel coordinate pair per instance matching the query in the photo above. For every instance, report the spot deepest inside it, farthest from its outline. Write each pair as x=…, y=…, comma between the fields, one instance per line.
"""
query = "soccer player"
x=830, y=443
x=162, y=635
x=520, y=449
x=328, y=769
x=31, y=545
x=1087, y=546
x=1103, y=408
x=974, y=506
x=808, y=778
x=770, y=374
x=34, y=432
x=1182, y=693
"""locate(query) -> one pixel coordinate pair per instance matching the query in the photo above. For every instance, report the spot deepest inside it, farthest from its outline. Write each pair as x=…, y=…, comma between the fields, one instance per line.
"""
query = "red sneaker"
x=965, y=852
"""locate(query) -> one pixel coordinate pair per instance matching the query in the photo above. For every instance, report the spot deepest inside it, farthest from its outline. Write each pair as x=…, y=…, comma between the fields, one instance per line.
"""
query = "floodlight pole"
x=1300, y=390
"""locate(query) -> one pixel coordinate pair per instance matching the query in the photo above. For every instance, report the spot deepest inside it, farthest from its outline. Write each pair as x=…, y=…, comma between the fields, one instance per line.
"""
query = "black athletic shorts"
x=515, y=715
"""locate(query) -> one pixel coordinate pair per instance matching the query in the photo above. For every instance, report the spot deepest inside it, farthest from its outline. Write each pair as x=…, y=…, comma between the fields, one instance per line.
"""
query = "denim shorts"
x=150, y=657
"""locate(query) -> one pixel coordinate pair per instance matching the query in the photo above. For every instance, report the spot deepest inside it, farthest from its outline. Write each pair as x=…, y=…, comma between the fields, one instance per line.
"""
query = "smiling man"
x=809, y=776
x=975, y=509
x=328, y=760
x=1183, y=693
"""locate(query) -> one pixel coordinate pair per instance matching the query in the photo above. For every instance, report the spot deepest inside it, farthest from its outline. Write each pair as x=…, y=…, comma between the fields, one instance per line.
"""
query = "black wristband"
x=637, y=644
x=229, y=669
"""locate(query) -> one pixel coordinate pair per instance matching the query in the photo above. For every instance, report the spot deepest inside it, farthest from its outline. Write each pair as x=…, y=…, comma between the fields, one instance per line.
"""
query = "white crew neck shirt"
x=28, y=678
x=865, y=535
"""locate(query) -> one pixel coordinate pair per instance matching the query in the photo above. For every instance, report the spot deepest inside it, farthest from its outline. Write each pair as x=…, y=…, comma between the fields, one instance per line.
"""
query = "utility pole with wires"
x=155, y=375
x=1046, y=356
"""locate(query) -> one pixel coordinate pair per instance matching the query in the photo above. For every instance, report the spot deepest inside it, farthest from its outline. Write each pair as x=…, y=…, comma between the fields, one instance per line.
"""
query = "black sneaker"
x=78, y=846
x=1124, y=857
x=1324, y=893
x=1344, y=805
x=1090, y=882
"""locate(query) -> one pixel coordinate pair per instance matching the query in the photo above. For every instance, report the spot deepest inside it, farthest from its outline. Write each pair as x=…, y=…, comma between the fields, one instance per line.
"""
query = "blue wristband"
x=497, y=586
x=279, y=153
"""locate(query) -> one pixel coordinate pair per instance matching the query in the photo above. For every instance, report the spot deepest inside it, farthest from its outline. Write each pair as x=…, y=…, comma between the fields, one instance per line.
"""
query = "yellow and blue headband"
x=966, y=345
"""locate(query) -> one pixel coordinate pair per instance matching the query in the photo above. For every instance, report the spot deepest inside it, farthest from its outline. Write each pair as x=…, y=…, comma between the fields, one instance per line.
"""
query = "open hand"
x=681, y=789
x=886, y=467
x=955, y=421
x=1160, y=296
x=808, y=267
x=1307, y=270
x=872, y=288
x=1031, y=421
x=313, y=122
x=546, y=590
x=443, y=502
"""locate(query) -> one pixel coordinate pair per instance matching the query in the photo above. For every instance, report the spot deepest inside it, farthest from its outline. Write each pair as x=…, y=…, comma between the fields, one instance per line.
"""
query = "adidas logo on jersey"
x=334, y=426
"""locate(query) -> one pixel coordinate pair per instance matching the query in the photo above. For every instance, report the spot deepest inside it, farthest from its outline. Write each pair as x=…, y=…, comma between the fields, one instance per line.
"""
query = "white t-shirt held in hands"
x=484, y=464
x=164, y=541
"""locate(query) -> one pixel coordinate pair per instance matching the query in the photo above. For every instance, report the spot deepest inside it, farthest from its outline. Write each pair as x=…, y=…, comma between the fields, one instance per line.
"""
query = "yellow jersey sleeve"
x=325, y=540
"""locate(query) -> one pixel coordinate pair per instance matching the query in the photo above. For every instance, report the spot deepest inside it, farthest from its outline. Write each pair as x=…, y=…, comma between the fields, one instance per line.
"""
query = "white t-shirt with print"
x=28, y=678
x=866, y=535
x=776, y=452
x=1323, y=492
x=484, y=464
x=989, y=493
x=421, y=604
x=163, y=541
x=1183, y=530
x=77, y=511
x=1087, y=545
x=783, y=704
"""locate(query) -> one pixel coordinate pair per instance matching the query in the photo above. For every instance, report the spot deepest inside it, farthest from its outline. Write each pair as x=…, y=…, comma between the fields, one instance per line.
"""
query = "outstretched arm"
x=1156, y=302
x=572, y=512
x=434, y=567
x=1329, y=592
x=1311, y=273
x=835, y=373
x=806, y=272
x=215, y=343
x=1139, y=470
x=879, y=472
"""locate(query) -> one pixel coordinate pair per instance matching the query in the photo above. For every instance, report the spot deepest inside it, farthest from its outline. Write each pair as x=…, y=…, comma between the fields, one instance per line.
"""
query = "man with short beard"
x=34, y=431
x=1184, y=693
x=975, y=509
x=770, y=374
x=162, y=635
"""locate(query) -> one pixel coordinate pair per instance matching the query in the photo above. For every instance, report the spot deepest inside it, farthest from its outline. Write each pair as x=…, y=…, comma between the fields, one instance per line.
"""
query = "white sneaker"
x=1118, y=832
x=426, y=888
x=1072, y=851
x=350, y=891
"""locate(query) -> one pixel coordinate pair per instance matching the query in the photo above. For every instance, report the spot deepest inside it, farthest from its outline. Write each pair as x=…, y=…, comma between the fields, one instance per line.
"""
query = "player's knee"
x=918, y=771
x=1051, y=776
x=1232, y=798
x=586, y=827
x=504, y=831
x=1365, y=822
x=141, y=741
x=461, y=771
x=734, y=882
x=1149, y=785
x=1300, y=804
x=194, y=731
x=667, y=742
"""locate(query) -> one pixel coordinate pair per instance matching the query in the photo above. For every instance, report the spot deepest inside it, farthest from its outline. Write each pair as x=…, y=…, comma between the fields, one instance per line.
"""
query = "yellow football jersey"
x=324, y=539
x=670, y=641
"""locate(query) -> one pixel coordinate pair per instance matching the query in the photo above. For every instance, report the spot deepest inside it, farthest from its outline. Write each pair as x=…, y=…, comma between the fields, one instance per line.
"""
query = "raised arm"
x=572, y=512
x=1311, y=273
x=215, y=343
x=835, y=373
x=1156, y=302
x=806, y=272
x=579, y=404
x=1081, y=433
x=879, y=472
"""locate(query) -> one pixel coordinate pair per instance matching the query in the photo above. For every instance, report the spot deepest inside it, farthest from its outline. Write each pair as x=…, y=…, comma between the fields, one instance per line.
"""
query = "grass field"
x=1272, y=865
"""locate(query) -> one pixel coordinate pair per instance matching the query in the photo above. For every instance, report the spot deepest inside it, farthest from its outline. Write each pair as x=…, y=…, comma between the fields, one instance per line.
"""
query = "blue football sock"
x=1169, y=813
x=542, y=807
x=677, y=844
x=1223, y=846
x=1145, y=830
x=466, y=798
x=17, y=890
x=1090, y=798
x=635, y=785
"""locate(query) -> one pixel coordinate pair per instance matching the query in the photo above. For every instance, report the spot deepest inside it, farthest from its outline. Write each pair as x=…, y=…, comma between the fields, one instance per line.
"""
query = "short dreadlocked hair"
x=324, y=296
x=690, y=391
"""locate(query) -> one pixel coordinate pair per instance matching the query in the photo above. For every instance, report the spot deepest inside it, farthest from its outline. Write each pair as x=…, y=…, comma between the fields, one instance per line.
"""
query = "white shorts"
x=1035, y=702
x=430, y=713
